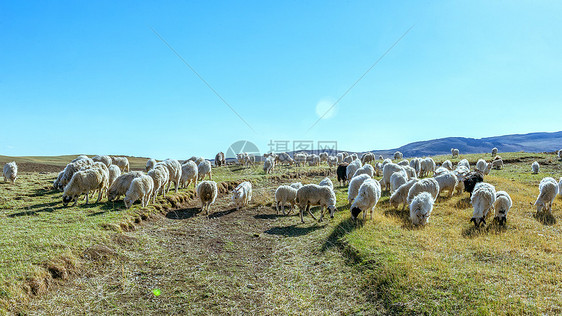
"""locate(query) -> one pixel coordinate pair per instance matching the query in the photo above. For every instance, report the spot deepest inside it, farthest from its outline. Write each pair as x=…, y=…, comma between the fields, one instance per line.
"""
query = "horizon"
x=115, y=77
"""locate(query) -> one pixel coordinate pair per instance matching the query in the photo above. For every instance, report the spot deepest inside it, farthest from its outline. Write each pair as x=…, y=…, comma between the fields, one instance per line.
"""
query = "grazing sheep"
x=311, y=194
x=381, y=157
x=548, y=190
x=502, y=205
x=268, y=165
x=535, y=167
x=122, y=163
x=219, y=159
x=420, y=208
x=150, y=164
x=340, y=157
x=58, y=180
x=242, y=195
x=250, y=160
x=203, y=169
x=410, y=172
x=366, y=169
x=141, y=189
x=300, y=159
x=160, y=177
x=332, y=161
x=122, y=184
x=386, y=161
x=416, y=164
x=461, y=172
x=403, y=163
x=447, y=182
x=367, y=198
x=482, y=200
x=10, y=172
x=324, y=157
x=400, y=196
x=327, y=182
x=378, y=169
x=189, y=174
x=348, y=159
x=106, y=160
x=398, y=155
x=481, y=165
x=354, y=186
x=352, y=167
x=429, y=185
x=454, y=152
x=81, y=157
x=174, y=170
x=387, y=172
x=200, y=160
x=207, y=192
x=447, y=164
x=427, y=166
x=296, y=185
x=82, y=182
x=74, y=166
x=284, y=158
x=471, y=180
x=114, y=172
x=440, y=171
x=367, y=157
x=494, y=151
x=497, y=164
x=397, y=179
x=354, y=156
x=464, y=162
x=283, y=195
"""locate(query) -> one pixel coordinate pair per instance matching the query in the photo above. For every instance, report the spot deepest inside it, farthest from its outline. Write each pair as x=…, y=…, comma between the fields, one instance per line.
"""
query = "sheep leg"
x=301, y=211
x=321, y=214
x=99, y=196
x=310, y=212
x=87, y=194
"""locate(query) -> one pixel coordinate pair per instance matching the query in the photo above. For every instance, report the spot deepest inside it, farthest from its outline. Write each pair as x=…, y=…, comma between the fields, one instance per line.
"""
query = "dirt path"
x=232, y=262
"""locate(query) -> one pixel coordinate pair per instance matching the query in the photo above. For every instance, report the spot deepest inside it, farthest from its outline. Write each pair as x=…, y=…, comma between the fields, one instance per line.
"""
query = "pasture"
x=170, y=258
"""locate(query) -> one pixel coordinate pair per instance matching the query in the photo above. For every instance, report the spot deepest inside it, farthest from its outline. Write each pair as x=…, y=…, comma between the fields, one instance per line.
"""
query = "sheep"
x=114, y=172
x=497, y=164
x=58, y=181
x=403, y=163
x=410, y=172
x=122, y=184
x=535, y=167
x=400, y=195
x=397, y=179
x=327, y=182
x=311, y=195
x=340, y=157
x=386, y=161
x=398, y=155
x=416, y=164
x=82, y=182
x=201, y=159
x=249, y=160
x=482, y=200
x=160, y=177
x=447, y=164
x=207, y=192
x=471, y=180
x=502, y=205
x=332, y=161
x=548, y=190
x=189, y=174
x=71, y=168
x=242, y=195
x=366, y=169
x=367, y=157
x=284, y=158
x=560, y=187
x=354, y=156
x=150, y=164
x=122, y=163
x=447, y=182
x=268, y=165
x=106, y=160
x=323, y=157
x=354, y=186
x=342, y=173
x=387, y=172
x=440, y=171
x=204, y=169
x=283, y=195
x=348, y=159
x=381, y=157
x=454, y=152
x=494, y=151
x=464, y=162
x=427, y=165
x=461, y=172
x=420, y=208
x=300, y=159
x=481, y=165
x=219, y=159
x=174, y=170
x=81, y=157
x=141, y=189
x=429, y=185
x=378, y=169
x=352, y=167
x=10, y=172
x=314, y=160
x=367, y=198
x=296, y=185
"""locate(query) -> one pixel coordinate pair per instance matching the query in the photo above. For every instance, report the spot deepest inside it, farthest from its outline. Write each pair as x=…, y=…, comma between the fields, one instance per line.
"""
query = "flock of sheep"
x=110, y=177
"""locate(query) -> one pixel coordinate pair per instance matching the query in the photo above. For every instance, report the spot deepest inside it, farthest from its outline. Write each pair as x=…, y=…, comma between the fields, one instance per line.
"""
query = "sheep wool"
x=189, y=174
x=106, y=160
x=420, y=208
x=160, y=177
x=400, y=196
x=311, y=195
x=296, y=185
x=327, y=182
x=535, y=167
x=352, y=167
x=285, y=195
x=354, y=186
x=122, y=163
x=367, y=198
x=429, y=185
x=548, y=189
x=366, y=169
x=397, y=179
x=83, y=182
x=114, y=172
x=141, y=188
x=150, y=163
x=268, y=165
x=447, y=182
x=10, y=172
x=122, y=184
x=387, y=172
x=207, y=192
x=482, y=200
x=174, y=170
x=502, y=205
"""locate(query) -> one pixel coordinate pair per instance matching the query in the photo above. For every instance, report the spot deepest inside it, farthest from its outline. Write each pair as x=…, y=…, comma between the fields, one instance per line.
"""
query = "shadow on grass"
x=183, y=213
x=34, y=213
x=221, y=213
x=105, y=207
x=270, y=216
x=494, y=227
x=43, y=192
x=45, y=205
x=293, y=230
x=402, y=215
x=463, y=203
x=545, y=218
x=343, y=228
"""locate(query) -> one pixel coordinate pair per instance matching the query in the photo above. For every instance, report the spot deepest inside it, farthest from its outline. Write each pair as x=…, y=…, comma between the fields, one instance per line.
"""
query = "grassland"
x=392, y=267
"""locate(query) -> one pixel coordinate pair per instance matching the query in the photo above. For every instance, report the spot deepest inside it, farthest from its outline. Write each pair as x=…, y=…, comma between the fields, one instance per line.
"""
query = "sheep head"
x=66, y=199
x=332, y=209
x=355, y=211
x=478, y=221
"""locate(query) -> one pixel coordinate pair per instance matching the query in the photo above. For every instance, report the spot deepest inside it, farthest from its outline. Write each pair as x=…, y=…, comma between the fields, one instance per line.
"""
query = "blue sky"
x=92, y=77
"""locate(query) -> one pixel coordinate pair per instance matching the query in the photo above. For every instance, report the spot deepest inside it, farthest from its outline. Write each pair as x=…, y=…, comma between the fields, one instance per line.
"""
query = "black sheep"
x=342, y=173
x=471, y=180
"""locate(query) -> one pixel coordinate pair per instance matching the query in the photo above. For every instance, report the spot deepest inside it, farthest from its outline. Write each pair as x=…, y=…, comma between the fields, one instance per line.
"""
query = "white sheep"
x=502, y=205
x=106, y=160
x=268, y=165
x=400, y=196
x=464, y=162
x=300, y=159
x=74, y=166
x=242, y=195
x=494, y=151
x=497, y=164
x=381, y=157
x=403, y=163
x=398, y=155
x=416, y=164
x=482, y=200
x=454, y=152
x=207, y=192
x=429, y=185
x=352, y=167
x=296, y=185
x=174, y=170
x=386, y=161
x=397, y=179
x=354, y=186
x=367, y=157
x=114, y=172
x=250, y=160
x=80, y=158
x=366, y=169
x=327, y=182
x=447, y=182
x=440, y=171
x=82, y=182
x=410, y=172
x=367, y=198
x=160, y=176
x=340, y=157
x=548, y=190
x=323, y=157
x=311, y=195
x=354, y=156
x=427, y=166
x=283, y=195
x=420, y=208
x=150, y=164
x=10, y=172
x=481, y=165
x=387, y=172
x=378, y=169
x=122, y=163
x=141, y=189
x=204, y=169
x=447, y=164
x=332, y=161
x=348, y=159
x=535, y=167
x=189, y=174
x=122, y=184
